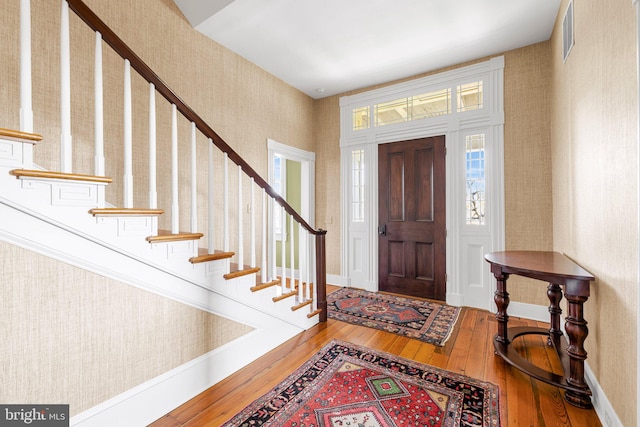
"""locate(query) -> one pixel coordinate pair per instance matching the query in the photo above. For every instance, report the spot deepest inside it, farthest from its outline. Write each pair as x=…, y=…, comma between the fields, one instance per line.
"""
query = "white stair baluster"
x=128, y=138
x=265, y=277
x=283, y=249
x=306, y=264
x=225, y=219
x=292, y=253
x=66, y=156
x=98, y=110
x=301, y=282
x=253, y=225
x=194, y=181
x=26, y=91
x=240, y=222
x=274, y=270
x=153, y=190
x=175, y=207
x=211, y=206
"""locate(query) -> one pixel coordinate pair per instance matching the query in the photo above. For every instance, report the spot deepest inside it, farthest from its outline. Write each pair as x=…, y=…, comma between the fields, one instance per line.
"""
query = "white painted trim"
x=433, y=80
x=291, y=153
x=151, y=400
x=337, y=279
x=607, y=415
x=162, y=394
x=602, y=405
x=489, y=120
x=529, y=311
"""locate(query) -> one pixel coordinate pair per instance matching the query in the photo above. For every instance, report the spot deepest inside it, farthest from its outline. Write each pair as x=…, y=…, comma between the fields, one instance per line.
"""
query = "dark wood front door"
x=412, y=229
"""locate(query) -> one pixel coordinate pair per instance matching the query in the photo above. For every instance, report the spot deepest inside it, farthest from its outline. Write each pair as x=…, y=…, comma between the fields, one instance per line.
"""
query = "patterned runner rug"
x=423, y=320
x=349, y=385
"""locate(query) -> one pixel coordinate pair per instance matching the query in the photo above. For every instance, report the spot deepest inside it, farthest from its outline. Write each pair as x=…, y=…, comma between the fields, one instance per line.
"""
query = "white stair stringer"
x=65, y=206
x=158, y=396
x=51, y=217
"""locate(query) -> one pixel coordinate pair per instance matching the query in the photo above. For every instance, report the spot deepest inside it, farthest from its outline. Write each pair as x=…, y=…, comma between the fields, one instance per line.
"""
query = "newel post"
x=321, y=274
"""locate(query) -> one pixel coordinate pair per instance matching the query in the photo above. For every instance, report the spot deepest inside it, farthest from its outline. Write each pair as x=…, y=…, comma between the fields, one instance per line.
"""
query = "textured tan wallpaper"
x=327, y=139
x=594, y=119
x=527, y=166
x=75, y=337
x=98, y=354
x=570, y=129
x=527, y=160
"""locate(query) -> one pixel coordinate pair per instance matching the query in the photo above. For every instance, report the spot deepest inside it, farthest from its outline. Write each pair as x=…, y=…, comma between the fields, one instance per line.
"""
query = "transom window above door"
x=434, y=103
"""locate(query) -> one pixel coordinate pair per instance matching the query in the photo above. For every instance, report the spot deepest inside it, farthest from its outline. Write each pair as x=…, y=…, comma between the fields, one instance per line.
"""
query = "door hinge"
x=446, y=277
x=446, y=233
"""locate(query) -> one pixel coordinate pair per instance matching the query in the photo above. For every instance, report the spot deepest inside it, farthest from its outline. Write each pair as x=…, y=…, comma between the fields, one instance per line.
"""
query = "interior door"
x=412, y=222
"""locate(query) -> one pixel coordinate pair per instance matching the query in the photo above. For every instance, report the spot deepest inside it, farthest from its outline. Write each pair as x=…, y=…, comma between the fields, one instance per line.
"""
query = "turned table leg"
x=577, y=332
x=501, y=298
x=554, y=292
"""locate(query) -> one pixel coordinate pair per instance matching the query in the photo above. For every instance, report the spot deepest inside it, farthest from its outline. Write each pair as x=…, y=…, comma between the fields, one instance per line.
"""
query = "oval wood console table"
x=562, y=274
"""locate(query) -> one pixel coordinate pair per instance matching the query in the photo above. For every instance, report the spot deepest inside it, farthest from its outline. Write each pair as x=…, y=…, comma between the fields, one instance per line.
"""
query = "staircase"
x=61, y=211
x=222, y=258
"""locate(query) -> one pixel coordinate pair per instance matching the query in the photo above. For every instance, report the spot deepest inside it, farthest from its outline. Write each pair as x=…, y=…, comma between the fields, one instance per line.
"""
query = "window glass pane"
x=475, y=179
x=470, y=96
x=357, y=186
x=361, y=118
x=431, y=104
x=277, y=174
x=396, y=111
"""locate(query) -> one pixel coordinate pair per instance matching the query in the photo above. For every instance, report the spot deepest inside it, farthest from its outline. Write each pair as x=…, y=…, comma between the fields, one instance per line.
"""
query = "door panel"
x=412, y=218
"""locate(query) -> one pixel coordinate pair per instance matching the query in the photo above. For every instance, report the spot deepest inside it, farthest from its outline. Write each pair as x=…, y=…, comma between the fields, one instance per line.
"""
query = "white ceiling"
x=327, y=47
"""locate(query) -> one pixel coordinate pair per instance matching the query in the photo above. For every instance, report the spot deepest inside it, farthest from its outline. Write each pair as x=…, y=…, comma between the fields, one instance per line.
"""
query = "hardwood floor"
x=523, y=400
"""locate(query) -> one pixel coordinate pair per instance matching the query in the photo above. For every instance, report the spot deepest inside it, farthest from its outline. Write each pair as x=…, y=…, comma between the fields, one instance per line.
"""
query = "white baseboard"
x=529, y=311
x=145, y=403
x=153, y=399
x=601, y=404
x=336, y=279
x=456, y=300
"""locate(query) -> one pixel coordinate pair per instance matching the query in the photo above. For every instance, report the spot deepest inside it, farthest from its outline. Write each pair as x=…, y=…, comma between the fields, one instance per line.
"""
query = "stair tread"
x=285, y=295
x=31, y=173
x=166, y=236
x=238, y=273
x=264, y=285
x=125, y=212
x=20, y=135
x=300, y=305
x=314, y=313
x=205, y=256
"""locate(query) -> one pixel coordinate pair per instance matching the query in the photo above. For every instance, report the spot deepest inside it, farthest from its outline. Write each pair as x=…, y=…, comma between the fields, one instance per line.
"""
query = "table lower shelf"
x=512, y=357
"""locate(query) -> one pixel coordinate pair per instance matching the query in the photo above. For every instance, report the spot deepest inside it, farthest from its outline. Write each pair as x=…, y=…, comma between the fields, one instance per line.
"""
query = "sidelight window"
x=357, y=186
x=475, y=180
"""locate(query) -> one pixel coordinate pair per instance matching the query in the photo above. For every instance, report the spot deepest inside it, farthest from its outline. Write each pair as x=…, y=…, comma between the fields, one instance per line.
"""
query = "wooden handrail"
x=116, y=43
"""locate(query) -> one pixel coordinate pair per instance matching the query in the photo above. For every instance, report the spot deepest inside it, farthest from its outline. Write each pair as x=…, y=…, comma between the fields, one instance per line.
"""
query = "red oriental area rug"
x=349, y=385
x=423, y=320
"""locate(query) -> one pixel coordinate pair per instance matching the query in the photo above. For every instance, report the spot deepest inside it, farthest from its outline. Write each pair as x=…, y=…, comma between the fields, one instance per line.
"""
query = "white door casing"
x=469, y=281
x=307, y=159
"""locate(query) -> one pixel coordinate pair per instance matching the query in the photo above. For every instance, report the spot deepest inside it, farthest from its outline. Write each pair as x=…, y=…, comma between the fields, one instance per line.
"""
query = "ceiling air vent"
x=567, y=32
